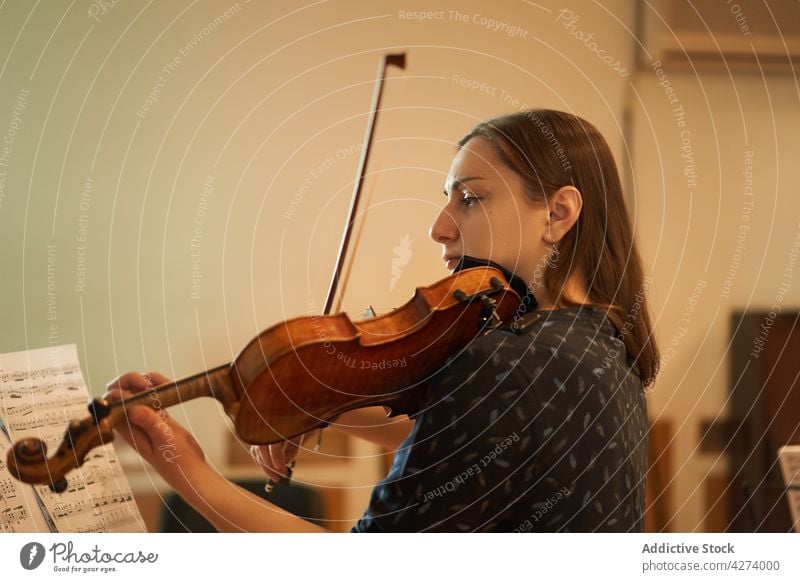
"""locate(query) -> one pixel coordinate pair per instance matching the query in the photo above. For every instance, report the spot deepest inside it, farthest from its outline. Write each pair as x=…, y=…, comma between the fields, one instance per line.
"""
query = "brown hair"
x=551, y=149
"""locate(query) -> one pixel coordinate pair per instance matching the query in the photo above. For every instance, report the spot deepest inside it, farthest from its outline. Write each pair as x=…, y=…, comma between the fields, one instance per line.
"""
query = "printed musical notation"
x=23, y=375
x=40, y=392
x=32, y=416
x=62, y=509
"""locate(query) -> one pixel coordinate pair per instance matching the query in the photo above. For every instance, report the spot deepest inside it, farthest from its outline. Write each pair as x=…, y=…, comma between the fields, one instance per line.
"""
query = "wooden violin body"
x=320, y=367
x=300, y=374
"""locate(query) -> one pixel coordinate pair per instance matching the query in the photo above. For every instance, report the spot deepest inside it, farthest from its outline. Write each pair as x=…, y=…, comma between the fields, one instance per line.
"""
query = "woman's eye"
x=469, y=200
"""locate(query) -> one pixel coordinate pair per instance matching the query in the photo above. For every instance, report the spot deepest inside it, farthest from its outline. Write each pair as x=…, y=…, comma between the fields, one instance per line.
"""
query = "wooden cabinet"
x=764, y=414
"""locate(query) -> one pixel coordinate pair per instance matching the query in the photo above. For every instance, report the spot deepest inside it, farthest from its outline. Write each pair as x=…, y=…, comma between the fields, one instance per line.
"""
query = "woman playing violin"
x=537, y=426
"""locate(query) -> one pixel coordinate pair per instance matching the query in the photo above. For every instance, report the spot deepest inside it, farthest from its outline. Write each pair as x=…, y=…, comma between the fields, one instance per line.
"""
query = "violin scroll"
x=27, y=460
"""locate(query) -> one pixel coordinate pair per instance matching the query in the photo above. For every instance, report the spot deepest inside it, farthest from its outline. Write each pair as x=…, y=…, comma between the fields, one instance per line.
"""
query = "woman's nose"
x=444, y=228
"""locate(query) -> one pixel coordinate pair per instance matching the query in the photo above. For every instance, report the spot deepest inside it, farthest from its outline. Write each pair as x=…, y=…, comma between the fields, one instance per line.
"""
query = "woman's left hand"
x=159, y=439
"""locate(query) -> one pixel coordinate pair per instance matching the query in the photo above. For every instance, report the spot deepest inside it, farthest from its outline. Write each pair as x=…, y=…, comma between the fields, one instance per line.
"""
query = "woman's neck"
x=574, y=293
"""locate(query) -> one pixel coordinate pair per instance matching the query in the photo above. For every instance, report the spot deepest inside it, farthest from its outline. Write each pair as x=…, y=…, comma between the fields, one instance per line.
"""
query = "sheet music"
x=41, y=391
x=789, y=457
x=19, y=507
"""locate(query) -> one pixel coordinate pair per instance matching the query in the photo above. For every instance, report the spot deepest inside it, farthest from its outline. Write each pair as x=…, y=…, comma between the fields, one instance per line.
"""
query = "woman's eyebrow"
x=458, y=182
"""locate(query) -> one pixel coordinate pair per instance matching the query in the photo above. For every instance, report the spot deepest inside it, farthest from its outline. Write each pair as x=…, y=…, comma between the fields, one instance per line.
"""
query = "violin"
x=301, y=374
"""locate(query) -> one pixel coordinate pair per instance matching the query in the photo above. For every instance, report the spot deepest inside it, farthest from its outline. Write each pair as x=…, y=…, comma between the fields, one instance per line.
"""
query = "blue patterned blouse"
x=542, y=429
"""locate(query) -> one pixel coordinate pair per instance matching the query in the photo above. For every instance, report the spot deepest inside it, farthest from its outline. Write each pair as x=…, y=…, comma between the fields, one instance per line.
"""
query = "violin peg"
x=58, y=486
x=99, y=408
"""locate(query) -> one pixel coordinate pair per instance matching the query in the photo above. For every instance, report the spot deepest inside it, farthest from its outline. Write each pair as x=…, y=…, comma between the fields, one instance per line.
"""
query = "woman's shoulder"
x=584, y=318
x=570, y=342
x=551, y=334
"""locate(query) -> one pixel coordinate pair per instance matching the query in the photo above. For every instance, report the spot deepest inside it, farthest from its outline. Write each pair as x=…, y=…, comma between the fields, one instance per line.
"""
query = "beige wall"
x=270, y=102
x=715, y=247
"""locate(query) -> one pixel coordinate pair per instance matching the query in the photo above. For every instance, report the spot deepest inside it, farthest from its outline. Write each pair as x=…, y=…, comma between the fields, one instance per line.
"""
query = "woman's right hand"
x=276, y=458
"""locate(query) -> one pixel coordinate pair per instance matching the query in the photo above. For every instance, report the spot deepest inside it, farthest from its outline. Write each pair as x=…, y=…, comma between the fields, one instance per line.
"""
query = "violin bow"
x=396, y=60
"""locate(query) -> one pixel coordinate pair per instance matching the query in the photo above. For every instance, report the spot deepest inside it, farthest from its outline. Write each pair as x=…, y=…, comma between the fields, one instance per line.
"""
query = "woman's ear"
x=564, y=206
